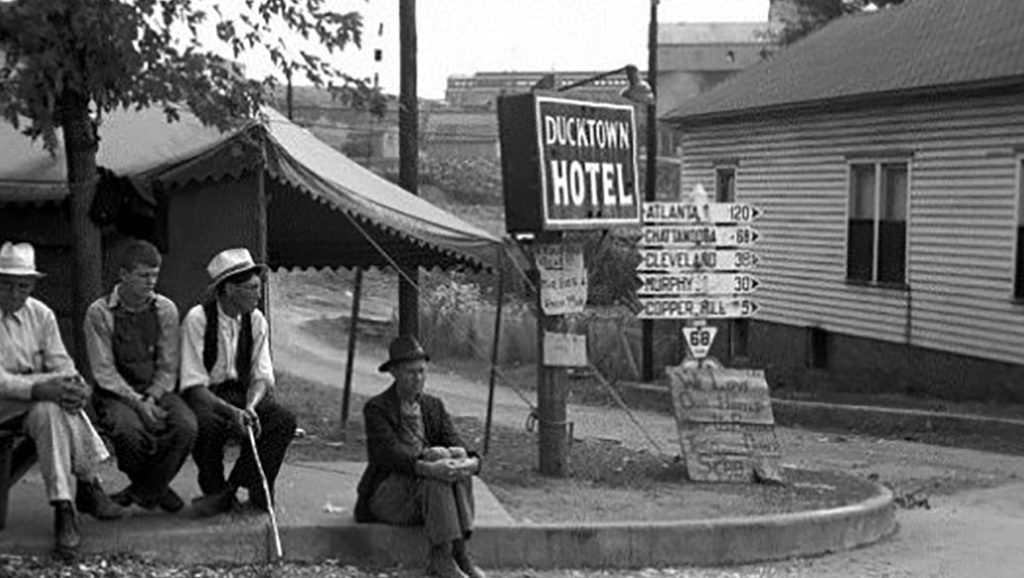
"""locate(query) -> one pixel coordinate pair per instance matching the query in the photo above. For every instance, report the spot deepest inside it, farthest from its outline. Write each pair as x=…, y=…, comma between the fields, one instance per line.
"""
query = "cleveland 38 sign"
x=567, y=164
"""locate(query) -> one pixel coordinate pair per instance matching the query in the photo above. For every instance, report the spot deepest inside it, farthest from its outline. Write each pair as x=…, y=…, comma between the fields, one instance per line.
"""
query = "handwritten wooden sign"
x=725, y=422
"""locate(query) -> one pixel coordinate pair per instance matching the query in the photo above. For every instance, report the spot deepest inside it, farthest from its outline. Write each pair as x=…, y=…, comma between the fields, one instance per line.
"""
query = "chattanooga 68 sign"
x=567, y=164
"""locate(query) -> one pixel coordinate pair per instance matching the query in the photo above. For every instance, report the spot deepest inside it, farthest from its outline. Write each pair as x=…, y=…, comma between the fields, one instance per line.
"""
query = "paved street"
x=975, y=532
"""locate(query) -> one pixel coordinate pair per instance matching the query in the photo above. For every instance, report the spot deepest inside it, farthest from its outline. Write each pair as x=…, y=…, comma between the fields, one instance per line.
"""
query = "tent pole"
x=357, y=292
x=494, y=352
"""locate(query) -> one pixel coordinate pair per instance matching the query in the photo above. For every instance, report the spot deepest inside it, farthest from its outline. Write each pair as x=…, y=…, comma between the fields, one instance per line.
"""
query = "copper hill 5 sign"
x=567, y=164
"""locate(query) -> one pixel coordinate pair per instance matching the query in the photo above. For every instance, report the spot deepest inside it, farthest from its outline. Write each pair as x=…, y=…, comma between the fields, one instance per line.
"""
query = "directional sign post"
x=698, y=263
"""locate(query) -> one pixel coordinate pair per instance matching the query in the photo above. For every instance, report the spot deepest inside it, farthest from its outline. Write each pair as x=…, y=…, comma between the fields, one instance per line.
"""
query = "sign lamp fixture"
x=638, y=91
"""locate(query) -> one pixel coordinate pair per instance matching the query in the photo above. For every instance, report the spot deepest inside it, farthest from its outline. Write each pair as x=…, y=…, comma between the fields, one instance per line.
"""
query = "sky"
x=461, y=37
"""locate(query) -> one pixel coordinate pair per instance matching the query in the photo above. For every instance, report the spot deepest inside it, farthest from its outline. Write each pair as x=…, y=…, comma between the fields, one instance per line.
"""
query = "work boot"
x=441, y=564
x=91, y=499
x=65, y=530
x=464, y=562
x=217, y=503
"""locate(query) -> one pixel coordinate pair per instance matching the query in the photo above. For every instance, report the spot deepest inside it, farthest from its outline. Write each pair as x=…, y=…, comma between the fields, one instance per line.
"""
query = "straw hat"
x=231, y=262
x=18, y=260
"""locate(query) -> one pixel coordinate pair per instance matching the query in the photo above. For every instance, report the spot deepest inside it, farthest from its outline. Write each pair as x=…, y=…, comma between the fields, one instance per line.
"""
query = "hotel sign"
x=567, y=164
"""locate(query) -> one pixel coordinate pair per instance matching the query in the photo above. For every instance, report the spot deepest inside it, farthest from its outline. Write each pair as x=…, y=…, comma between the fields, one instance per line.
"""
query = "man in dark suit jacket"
x=404, y=484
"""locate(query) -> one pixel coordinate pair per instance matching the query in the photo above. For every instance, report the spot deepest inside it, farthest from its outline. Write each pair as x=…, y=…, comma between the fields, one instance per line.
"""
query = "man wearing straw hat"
x=42, y=395
x=227, y=379
x=419, y=472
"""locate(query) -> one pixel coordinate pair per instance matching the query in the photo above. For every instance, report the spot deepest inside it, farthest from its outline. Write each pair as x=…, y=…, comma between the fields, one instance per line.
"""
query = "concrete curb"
x=710, y=542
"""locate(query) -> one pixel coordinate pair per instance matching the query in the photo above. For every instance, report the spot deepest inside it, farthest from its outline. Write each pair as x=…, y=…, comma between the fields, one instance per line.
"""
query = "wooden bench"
x=17, y=455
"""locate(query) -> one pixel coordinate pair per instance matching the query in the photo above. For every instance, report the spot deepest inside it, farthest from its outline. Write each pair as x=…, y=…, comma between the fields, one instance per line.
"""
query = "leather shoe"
x=171, y=502
x=216, y=503
x=91, y=499
x=65, y=530
x=440, y=563
x=464, y=562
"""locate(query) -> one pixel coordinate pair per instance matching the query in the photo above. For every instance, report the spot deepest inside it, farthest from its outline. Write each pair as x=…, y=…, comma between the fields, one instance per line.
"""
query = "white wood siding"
x=961, y=223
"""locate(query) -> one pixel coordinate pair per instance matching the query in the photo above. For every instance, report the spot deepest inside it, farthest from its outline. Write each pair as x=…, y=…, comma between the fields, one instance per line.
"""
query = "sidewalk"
x=315, y=503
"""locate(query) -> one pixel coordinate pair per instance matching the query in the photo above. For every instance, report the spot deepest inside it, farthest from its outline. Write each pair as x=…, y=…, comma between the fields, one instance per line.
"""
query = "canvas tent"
x=271, y=186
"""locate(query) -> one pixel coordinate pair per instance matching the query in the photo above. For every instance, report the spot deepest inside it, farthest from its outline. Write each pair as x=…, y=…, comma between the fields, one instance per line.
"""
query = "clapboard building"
x=887, y=151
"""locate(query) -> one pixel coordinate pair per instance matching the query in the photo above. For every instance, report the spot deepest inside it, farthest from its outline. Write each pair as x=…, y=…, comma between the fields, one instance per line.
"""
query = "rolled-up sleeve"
x=262, y=365
x=13, y=386
x=192, y=371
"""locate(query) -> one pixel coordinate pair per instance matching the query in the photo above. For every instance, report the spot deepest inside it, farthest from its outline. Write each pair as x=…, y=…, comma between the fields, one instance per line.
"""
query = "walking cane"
x=266, y=490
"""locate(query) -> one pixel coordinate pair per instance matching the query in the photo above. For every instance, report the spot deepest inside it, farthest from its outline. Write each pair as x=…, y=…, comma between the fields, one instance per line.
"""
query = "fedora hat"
x=18, y=259
x=231, y=262
x=403, y=348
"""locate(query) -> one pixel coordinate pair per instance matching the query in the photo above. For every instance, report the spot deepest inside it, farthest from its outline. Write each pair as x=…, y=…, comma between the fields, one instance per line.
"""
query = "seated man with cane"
x=411, y=478
x=132, y=338
x=227, y=379
x=43, y=396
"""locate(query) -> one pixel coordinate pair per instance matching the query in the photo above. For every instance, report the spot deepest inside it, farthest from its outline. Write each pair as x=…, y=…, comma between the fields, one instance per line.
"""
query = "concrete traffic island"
x=315, y=519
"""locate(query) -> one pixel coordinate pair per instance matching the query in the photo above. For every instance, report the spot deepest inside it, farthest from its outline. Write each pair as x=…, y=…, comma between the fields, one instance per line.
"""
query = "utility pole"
x=651, y=179
x=408, y=158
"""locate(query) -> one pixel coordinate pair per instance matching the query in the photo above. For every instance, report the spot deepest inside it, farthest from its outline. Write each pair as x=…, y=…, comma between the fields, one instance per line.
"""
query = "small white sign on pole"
x=565, y=350
x=699, y=339
x=563, y=278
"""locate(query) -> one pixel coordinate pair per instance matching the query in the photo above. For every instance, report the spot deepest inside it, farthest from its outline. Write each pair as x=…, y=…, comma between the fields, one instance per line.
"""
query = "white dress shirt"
x=193, y=372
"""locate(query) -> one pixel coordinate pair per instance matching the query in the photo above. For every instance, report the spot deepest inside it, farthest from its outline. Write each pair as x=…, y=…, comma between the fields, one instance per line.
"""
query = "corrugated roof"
x=712, y=33
x=920, y=45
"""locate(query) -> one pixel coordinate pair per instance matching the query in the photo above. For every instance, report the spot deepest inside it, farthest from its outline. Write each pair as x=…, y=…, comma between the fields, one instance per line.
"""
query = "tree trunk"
x=80, y=145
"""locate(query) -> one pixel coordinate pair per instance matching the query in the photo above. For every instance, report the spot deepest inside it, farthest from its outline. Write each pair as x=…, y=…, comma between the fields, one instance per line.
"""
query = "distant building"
x=482, y=89
x=693, y=58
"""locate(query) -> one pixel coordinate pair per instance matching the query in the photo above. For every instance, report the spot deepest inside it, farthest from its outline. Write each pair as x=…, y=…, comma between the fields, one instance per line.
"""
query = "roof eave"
x=986, y=87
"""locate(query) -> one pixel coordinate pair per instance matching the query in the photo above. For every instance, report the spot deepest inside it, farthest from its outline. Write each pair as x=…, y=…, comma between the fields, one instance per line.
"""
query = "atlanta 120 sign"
x=567, y=164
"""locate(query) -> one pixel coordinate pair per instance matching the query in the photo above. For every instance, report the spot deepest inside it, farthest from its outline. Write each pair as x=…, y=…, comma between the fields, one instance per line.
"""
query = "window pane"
x=894, y=192
x=862, y=192
x=1018, y=280
x=860, y=232
x=892, y=227
x=860, y=249
x=892, y=251
x=725, y=185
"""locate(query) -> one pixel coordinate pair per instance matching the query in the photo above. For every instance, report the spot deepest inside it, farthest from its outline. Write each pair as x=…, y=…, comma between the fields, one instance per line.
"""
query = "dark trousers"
x=150, y=458
x=444, y=509
x=217, y=428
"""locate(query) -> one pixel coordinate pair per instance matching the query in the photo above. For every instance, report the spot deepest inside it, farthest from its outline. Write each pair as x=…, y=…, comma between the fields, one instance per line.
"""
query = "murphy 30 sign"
x=567, y=164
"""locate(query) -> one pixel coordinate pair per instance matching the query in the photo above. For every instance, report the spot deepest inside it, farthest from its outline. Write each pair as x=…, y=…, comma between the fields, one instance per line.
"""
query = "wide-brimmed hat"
x=18, y=259
x=403, y=348
x=231, y=262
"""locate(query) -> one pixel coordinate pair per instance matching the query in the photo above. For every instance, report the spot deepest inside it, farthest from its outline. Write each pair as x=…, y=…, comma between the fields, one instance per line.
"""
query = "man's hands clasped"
x=448, y=464
x=67, y=390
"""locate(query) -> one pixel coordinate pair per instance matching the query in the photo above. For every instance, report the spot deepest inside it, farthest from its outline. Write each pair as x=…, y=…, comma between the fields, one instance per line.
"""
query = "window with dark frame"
x=818, y=348
x=1018, y=277
x=725, y=184
x=876, y=248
